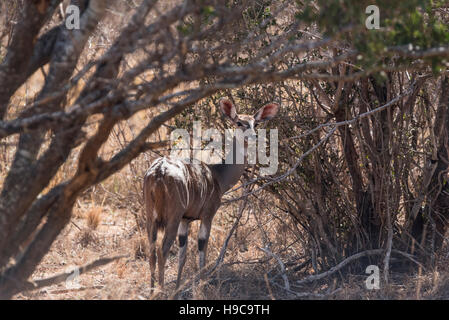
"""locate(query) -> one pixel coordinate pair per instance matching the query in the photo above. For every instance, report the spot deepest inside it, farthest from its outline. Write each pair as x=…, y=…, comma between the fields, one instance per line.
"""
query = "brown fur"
x=169, y=199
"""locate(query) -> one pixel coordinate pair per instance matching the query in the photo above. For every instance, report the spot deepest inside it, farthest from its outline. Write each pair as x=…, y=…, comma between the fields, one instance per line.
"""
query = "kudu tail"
x=153, y=199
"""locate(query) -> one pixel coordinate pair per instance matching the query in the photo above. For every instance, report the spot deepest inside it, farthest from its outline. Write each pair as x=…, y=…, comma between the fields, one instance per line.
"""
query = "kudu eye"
x=239, y=124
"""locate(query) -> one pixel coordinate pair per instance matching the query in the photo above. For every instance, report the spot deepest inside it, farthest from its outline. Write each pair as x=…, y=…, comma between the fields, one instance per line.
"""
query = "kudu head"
x=245, y=121
x=246, y=124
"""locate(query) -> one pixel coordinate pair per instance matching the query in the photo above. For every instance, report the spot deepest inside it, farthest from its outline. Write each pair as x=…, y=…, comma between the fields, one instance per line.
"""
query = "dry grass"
x=140, y=248
x=93, y=217
x=87, y=237
x=127, y=278
x=244, y=274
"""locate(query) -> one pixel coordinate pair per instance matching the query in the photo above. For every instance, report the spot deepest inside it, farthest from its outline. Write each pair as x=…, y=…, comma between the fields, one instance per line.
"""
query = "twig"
x=281, y=264
x=231, y=232
x=362, y=115
x=61, y=291
x=389, y=246
x=350, y=259
x=340, y=265
x=334, y=126
x=410, y=257
x=309, y=294
x=36, y=284
x=78, y=227
x=286, y=174
x=265, y=276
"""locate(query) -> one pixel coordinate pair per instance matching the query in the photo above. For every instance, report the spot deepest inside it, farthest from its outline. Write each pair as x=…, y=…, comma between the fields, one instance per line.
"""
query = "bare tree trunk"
x=430, y=223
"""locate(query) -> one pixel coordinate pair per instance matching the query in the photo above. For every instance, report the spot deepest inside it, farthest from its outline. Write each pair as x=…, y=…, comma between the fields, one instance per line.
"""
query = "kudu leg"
x=162, y=251
x=152, y=236
x=183, y=233
x=203, y=239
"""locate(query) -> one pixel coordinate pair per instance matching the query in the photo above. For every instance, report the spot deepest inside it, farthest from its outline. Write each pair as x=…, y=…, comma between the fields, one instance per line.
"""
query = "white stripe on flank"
x=175, y=170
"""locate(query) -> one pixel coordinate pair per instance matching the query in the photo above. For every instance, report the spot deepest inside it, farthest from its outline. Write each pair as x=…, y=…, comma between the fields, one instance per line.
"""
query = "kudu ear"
x=228, y=108
x=267, y=112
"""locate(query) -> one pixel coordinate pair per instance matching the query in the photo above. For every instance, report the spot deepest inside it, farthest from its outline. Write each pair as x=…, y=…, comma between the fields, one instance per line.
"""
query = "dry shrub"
x=93, y=217
x=87, y=237
x=140, y=248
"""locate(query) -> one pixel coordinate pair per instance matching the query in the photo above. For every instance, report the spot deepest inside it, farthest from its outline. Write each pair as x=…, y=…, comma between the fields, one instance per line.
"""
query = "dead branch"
x=281, y=265
x=339, y=266
x=40, y=283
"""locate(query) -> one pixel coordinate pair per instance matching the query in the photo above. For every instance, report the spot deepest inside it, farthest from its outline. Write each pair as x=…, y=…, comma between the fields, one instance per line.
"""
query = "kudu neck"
x=228, y=174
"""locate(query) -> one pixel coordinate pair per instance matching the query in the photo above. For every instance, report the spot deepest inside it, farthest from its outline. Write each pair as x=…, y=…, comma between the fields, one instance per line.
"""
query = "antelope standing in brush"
x=176, y=193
